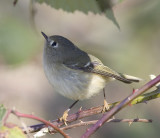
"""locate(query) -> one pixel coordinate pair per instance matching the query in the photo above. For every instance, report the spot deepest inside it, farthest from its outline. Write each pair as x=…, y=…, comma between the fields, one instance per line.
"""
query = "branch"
x=120, y=106
x=39, y=119
x=96, y=110
x=109, y=121
x=15, y=2
x=32, y=11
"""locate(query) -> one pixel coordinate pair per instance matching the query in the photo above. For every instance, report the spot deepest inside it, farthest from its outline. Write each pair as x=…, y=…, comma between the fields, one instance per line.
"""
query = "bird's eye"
x=54, y=44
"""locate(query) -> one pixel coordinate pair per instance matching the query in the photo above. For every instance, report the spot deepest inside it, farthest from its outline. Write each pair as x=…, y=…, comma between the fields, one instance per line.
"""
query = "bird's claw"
x=105, y=106
x=64, y=117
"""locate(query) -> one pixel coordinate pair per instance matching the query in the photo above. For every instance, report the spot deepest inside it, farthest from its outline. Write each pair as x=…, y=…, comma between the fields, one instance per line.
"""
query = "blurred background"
x=134, y=49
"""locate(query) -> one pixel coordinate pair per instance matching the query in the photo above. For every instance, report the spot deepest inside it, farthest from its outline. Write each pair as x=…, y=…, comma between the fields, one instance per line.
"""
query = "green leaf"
x=2, y=113
x=18, y=43
x=110, y=15
x=95, y=6
x=14, y=132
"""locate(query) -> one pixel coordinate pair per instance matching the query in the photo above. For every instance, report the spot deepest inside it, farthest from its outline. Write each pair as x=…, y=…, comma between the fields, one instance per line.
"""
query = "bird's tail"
x=128, y=78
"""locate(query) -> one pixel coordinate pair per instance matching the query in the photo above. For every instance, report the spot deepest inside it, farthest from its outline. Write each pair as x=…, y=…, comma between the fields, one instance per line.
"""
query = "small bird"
x=74, y=73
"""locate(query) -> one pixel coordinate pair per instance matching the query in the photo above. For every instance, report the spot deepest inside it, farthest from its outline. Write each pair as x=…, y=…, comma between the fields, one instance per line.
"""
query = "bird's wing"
x=79, y=62
x=107, y=72
x=94, y=65
x=99, y=68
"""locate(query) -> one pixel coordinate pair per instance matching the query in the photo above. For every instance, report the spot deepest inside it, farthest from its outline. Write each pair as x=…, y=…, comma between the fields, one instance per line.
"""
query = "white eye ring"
x=54, y=44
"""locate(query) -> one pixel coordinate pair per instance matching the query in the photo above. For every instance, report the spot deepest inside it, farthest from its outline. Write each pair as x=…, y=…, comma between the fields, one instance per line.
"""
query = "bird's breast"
x=73, y=84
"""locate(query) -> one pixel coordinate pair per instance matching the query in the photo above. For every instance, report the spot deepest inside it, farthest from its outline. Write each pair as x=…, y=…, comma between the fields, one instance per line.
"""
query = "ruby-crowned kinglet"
x=74, y=73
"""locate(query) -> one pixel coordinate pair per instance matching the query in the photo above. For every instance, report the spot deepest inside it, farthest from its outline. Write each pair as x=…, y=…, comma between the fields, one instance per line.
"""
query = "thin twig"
x=6, y=116
x=109, y=121
x=32, y=10
x=15, y=2
x=39, y=119
x=120, y=106
x=25, y=127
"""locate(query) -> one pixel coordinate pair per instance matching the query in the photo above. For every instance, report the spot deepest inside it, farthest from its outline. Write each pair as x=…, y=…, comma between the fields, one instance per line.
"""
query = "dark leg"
x=104, y=94
x=73, y=104
x=105, y=106
x=65, y=114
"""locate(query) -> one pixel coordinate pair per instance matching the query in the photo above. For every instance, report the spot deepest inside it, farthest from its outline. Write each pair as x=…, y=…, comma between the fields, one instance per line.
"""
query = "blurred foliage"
x=145, y=32
x=18, y=42
x=2, y=113
x=146, y=15
x=146, y=20
x=9, y=130
x=95, y=6
x=14, y=132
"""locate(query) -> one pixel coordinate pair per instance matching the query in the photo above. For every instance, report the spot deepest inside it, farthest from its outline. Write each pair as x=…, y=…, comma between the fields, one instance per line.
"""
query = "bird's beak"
x=45, y=36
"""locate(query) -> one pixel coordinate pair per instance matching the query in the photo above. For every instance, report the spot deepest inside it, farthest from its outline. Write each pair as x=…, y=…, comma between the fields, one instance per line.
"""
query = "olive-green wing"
x=91, y=64
x=105, y=71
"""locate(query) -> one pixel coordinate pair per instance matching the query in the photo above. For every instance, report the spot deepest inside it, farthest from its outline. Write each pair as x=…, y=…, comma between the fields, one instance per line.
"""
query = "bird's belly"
x=76, y=85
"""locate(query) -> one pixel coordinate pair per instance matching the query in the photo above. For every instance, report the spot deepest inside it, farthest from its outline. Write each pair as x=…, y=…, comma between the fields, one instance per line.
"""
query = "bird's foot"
x=64, y=117
x=105, y=106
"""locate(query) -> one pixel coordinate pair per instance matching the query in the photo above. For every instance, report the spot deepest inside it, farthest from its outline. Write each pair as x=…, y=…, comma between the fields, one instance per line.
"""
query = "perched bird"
x=74, y=73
